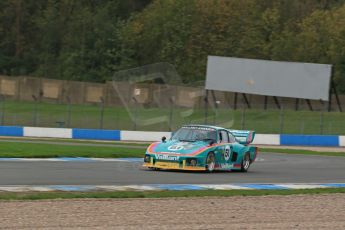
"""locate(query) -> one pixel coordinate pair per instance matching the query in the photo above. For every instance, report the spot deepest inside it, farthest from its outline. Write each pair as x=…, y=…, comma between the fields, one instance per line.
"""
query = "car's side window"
x=232, y=139
x=223, y=136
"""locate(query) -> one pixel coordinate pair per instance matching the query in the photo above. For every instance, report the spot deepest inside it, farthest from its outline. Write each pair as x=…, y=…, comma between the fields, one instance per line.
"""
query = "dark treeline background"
x=91, y=39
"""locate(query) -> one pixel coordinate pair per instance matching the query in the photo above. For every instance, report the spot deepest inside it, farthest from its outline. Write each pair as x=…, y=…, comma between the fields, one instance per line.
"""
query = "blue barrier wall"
x=96, y=134
x=14, y=131
x=309, y=140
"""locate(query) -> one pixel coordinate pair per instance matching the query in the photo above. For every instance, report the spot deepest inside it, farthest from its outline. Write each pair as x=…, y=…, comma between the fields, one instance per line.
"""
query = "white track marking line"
x=301, y=186
x=222, y=186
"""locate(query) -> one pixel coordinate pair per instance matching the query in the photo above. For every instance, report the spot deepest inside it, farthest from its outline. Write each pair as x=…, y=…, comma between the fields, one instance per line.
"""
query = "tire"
x=210, y=162
x=245, y=163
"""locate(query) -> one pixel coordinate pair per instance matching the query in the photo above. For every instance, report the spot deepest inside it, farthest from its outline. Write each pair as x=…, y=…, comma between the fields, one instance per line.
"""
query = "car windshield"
x=195, y=133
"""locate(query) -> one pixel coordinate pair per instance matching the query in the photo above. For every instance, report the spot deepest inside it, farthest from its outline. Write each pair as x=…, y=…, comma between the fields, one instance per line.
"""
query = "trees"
x=89, y=40
x=61, y=38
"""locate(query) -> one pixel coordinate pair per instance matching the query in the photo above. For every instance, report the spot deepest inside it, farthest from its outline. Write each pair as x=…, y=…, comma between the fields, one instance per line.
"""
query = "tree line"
x=89, y=40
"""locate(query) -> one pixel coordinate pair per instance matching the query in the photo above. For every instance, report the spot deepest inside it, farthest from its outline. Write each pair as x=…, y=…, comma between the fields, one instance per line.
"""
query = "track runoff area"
x=272, y=171
x=275, y=171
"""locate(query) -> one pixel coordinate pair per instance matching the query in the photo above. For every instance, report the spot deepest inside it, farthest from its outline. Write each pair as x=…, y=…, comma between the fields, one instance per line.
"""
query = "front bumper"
x=177, y=165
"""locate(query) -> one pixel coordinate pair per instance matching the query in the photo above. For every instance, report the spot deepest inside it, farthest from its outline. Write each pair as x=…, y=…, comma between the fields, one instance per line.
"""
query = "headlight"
x=147, y=158
x=192, y=161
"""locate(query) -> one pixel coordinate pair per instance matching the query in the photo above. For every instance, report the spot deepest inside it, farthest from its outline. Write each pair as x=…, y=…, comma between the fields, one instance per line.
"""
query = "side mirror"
x=163, y=139
x=211, y=142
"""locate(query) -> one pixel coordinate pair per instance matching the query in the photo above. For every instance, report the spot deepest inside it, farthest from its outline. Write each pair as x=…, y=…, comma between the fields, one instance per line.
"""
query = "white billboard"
x=271, y=78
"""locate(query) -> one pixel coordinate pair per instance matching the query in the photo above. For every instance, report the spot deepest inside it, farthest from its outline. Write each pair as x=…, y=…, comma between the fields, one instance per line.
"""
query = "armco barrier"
x=309, y=140
x=14, y=131
x=47, y=132
x=267, y=139
x=96, y=134
x=118, y=135
x=341, y=140
x=143, y=135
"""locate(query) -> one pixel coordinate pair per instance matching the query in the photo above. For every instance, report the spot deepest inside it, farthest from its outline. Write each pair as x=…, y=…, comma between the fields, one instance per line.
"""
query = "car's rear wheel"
x=245, y=163
x=210, y=162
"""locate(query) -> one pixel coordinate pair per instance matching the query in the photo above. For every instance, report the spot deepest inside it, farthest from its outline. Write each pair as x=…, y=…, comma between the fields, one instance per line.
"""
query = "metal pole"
x=206, y=106
x=135, y=113
x=171, y=100
x=216, y=112
x=243, y=117
x=2, y=98
x=34, y=113
x=277, y=102
x=102, y=113
x=302, y=127
x=245, y=99
x=68, y=111
x=235, y=101
x=216, y=106
x=296, y=104
x=265, y=102
x=321, y=122
x=336, y=95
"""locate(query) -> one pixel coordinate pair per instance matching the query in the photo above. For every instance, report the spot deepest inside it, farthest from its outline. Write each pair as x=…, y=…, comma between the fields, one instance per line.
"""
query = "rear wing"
x=244, y=137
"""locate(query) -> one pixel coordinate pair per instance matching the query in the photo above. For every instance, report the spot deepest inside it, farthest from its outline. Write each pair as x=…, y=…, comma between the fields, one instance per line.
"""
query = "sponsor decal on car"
x=167, y=157
x=226, y=166
x=181, y=146
x=175, y=147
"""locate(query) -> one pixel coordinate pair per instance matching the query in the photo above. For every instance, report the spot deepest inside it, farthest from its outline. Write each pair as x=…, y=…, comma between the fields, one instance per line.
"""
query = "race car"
x=203, y=148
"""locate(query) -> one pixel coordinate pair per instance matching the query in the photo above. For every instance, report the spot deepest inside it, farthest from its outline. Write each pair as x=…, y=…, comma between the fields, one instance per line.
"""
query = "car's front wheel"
x=245, y=163
x=210, y=162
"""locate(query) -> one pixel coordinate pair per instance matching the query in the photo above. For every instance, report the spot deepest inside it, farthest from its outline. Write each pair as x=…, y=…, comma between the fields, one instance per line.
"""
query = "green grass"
x=76, y=141
x=300, y=151
x=33, y=150
x=88, y=116
x=162, y=194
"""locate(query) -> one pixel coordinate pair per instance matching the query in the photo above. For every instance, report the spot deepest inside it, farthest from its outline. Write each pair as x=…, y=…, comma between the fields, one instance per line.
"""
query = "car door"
x=232, y=142
x=225, y=148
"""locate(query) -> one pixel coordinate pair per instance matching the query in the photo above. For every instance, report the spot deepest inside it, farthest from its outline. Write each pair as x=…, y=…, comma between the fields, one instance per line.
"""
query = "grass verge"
x=163, y=194
x=76, y=141
x=48, y=150
x=303, y=152
x=34, y=150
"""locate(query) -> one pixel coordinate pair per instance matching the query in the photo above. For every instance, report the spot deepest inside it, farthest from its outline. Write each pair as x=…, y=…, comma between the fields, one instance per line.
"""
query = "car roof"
x=206, y=126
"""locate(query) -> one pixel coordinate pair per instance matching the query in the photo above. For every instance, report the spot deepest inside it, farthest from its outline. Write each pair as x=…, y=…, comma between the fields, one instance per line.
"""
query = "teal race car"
x=203, y=148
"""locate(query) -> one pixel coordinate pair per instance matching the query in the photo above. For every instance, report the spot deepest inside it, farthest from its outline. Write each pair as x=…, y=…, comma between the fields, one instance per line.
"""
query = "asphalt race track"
x=270, y=168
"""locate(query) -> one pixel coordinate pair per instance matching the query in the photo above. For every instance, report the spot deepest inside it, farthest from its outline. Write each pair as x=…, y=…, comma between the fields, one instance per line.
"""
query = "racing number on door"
x=227, y=153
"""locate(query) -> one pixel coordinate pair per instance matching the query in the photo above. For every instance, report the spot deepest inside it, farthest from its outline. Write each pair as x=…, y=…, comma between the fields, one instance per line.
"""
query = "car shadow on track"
x=191, y=172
